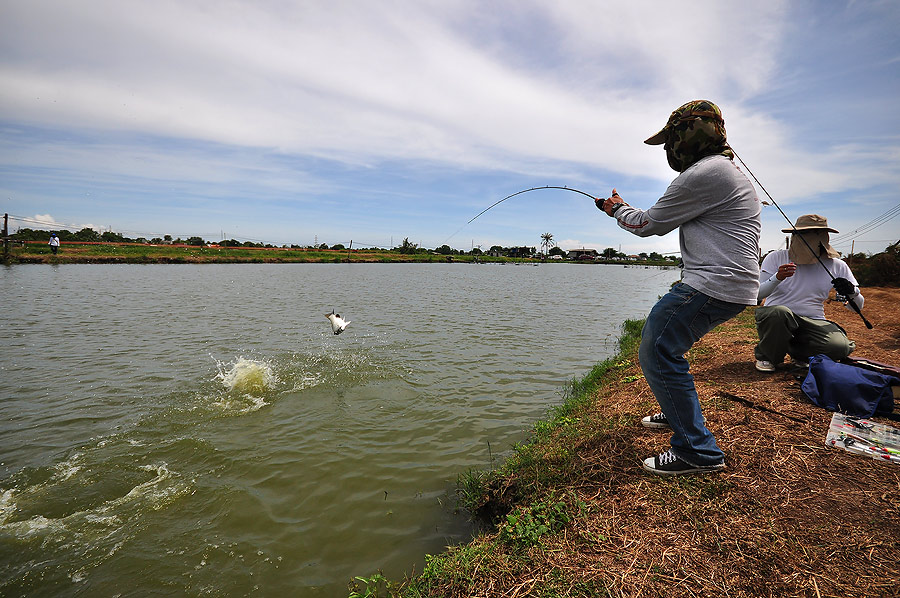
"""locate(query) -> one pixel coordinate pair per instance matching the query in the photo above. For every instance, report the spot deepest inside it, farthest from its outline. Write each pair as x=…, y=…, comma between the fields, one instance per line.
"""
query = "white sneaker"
x=657, y=420
x=667, y=464
x=764, y=366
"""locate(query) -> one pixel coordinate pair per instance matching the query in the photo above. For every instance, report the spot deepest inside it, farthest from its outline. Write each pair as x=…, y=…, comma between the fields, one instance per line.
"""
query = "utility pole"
x=5, y=236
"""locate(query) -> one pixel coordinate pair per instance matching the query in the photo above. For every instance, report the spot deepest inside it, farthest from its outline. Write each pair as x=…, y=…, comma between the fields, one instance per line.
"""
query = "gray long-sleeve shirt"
x=717, y=211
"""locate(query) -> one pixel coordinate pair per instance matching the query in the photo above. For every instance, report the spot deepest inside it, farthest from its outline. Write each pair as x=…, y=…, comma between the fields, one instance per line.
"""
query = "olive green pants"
x=782, y=332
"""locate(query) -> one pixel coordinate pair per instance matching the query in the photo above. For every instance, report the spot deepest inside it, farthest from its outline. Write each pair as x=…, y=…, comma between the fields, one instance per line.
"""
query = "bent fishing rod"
x=513, y=195
x=815, y=253
x=526, y=191
x=797, y=233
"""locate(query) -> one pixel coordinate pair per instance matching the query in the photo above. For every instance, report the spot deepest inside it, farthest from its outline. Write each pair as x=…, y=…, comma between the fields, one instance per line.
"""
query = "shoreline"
x=574, y=514
x=392, y=259
x=129, y=253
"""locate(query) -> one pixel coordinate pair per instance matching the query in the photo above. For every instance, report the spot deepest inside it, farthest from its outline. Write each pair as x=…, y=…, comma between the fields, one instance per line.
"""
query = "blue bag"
x=848, y=389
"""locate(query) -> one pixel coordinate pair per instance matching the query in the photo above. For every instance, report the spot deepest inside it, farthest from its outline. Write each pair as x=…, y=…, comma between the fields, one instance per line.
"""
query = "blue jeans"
x=675, y=323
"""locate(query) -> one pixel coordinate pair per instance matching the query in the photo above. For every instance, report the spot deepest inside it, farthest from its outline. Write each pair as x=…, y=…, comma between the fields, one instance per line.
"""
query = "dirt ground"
x=789, y=517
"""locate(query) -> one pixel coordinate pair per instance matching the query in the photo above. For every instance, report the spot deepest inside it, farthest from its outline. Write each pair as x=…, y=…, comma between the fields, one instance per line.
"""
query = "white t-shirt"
x=805, y=292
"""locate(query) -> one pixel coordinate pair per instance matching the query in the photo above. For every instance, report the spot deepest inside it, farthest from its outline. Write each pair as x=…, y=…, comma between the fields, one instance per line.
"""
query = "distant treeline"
x=879, y=270
x=89, y=235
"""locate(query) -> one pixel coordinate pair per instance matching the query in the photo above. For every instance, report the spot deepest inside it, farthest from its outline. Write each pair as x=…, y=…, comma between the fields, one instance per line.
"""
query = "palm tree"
x=546, y=242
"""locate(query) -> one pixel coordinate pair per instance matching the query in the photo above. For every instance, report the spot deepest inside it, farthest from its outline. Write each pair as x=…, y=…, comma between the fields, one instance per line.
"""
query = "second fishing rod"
x=816, y=252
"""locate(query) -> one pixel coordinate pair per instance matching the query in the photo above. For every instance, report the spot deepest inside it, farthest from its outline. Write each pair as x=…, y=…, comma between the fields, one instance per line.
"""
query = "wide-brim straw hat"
x=810, y=222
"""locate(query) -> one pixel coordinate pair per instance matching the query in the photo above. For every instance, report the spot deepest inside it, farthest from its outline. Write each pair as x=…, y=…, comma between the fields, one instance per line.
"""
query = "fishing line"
x=797, y=233
x=850, y=300
x=513, y=195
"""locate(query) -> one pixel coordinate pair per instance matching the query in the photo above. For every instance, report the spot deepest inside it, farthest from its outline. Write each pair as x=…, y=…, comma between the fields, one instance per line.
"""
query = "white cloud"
x=45, y=220
x=251, y=95
x=48, y=222
x=371, y=81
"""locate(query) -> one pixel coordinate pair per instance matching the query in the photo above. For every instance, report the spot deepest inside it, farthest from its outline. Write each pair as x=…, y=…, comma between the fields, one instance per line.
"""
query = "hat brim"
x=805, y=228
x=658, y=139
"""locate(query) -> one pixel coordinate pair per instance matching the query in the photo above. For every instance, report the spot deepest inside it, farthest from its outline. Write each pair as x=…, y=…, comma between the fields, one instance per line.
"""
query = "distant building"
x=581, y=254
x=521, y=251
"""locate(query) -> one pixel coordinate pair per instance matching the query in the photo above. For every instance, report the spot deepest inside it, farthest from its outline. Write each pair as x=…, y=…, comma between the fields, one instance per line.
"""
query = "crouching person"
x=795, y=286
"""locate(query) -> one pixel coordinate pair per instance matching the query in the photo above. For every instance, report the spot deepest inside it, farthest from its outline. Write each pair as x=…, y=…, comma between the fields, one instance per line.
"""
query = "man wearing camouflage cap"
x=716, y=210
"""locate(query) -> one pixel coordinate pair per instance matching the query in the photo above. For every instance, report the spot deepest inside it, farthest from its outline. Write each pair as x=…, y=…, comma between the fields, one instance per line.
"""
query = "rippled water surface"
x=198, y=430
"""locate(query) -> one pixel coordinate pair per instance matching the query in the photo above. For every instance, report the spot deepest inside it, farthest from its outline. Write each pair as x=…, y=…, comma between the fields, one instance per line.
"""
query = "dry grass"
x=789, y=517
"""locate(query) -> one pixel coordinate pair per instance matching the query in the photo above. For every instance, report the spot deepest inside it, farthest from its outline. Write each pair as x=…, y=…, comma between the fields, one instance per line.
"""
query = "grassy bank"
x=574, y=515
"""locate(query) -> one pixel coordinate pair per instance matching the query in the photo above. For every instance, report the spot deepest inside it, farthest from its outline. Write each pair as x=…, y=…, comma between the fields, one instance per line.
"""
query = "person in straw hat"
x=794, y=287
x=716, y=211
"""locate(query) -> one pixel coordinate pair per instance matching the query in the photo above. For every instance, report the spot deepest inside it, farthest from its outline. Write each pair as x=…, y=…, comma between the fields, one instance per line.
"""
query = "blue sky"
x=292, y=122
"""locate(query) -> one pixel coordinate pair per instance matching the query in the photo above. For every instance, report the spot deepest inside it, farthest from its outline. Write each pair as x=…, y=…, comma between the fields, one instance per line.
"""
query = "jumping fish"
x=337, y=323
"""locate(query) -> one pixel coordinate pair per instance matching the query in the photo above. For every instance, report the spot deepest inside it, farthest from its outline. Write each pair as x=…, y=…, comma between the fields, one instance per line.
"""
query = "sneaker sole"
x=648, y=467
x=660, y=426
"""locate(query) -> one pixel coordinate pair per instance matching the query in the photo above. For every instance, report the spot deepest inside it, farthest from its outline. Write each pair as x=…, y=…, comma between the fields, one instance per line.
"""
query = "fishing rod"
x=797, y=233
x=752, y=405
x=526, y=191
x=513, y=195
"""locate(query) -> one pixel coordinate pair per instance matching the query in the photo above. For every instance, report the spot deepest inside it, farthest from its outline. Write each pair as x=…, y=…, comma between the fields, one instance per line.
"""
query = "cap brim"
x=658, y=139
x=805, y=228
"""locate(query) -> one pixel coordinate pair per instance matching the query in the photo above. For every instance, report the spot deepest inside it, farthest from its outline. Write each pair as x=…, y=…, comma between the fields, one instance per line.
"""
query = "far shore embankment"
x=141, y=253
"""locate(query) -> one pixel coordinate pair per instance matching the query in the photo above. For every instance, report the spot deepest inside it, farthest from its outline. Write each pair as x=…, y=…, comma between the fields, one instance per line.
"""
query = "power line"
x=63, y=225
x=870, y=241
x=42, y=222
x=869, y=226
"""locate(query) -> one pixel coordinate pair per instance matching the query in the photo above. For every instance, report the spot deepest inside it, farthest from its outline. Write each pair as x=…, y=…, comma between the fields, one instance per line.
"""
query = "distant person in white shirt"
x=795, y=286
x=54, y=243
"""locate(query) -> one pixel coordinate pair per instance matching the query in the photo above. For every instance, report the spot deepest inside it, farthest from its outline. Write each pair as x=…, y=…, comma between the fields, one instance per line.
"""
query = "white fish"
x=337, y=323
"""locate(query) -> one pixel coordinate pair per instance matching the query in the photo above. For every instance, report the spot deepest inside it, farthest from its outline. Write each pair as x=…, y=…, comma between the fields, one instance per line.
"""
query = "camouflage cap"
x=684, y=115
x=694, y=130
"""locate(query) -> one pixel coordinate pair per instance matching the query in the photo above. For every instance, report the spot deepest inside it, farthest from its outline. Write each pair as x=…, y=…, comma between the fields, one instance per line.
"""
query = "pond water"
x=198, y=430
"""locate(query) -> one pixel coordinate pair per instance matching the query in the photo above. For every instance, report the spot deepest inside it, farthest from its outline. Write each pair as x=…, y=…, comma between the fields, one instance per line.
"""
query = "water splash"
x=75, y=541
x=247, y=376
